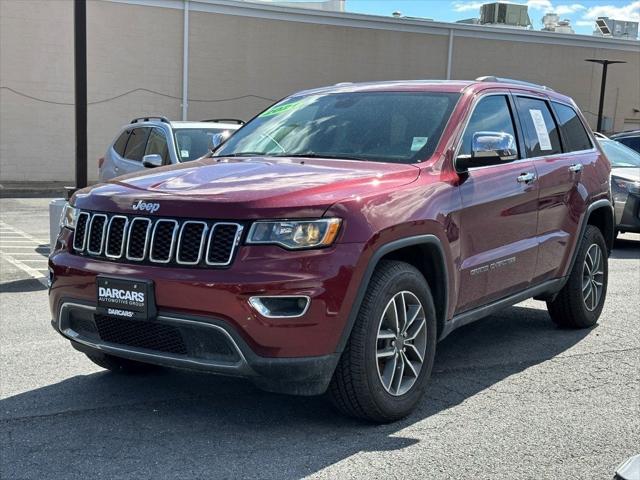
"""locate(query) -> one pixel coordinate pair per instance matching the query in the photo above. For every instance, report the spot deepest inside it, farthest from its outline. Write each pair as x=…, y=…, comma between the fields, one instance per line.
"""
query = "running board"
x=546, y=288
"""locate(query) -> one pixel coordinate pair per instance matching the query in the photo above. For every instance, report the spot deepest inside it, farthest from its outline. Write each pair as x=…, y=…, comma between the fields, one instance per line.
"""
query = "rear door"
x=131, y=161
x=558, y=144
x=499, y=213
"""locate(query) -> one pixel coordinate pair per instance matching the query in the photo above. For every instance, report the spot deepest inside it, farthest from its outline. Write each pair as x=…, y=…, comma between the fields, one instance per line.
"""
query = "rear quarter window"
x=573, y=132
x=121, y=142
x=137, y=144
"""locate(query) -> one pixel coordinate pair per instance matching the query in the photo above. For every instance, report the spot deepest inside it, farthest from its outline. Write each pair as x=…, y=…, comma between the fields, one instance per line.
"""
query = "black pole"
x=80, y=57
x=603, y=84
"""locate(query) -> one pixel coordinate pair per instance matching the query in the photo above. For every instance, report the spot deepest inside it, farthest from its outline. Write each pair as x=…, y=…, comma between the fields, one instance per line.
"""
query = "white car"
x=155, y=141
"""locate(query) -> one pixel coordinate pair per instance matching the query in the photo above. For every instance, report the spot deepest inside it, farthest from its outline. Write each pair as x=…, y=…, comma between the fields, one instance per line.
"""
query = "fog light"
x=50, y=278
x=281, y=306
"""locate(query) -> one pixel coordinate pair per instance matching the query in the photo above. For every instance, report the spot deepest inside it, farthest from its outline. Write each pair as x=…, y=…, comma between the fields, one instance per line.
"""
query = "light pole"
x=80, y=70
x=605, y=64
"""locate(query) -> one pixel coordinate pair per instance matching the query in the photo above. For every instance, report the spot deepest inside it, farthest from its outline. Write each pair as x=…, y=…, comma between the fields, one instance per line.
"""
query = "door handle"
x=526, y=178
x=575, y=168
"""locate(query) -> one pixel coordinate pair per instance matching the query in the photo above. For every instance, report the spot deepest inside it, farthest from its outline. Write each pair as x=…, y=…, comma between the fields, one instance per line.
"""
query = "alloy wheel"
x=401, y=343
x=593, y=277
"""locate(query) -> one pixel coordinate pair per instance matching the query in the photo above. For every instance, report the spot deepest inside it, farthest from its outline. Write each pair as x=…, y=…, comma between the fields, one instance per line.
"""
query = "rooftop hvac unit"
x=603, y=27
x=508, y=14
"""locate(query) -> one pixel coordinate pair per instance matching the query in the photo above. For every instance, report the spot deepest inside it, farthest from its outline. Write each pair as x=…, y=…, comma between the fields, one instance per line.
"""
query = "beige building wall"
x=241, y=58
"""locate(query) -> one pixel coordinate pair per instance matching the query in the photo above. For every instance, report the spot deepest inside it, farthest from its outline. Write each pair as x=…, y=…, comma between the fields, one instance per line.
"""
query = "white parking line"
x=12, y=241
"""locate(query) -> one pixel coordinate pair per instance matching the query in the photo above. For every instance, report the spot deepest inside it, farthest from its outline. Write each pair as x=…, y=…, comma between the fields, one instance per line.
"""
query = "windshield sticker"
x=418, y=143
x=541, y=129
x=278, y=109
x=184, y=153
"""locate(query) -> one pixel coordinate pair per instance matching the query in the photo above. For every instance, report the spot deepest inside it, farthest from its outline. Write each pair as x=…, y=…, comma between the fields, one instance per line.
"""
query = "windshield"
x=620, y=155
x=193, y=143
x=400, y=127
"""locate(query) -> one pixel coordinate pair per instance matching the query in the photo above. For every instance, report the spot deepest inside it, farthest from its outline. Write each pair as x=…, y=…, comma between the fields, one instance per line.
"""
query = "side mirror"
x=152, y=161
x=218, y=139
x=488, y=148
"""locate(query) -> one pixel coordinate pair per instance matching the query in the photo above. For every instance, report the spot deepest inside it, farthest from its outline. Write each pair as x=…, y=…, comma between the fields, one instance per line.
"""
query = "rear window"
x=136, y=144
x=573, y=132
x=540, y=130
x=120, y=144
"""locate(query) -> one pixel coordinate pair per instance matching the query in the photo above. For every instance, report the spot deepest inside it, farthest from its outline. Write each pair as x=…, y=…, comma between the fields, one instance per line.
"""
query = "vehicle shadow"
x=186, y=425
x=22, y=285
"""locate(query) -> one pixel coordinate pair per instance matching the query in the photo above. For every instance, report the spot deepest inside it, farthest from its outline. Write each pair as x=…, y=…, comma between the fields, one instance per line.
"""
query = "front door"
x=499, y=214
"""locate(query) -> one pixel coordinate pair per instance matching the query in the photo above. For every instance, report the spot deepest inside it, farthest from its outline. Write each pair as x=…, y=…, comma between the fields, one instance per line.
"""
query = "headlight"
x=295, y=233
x=69, y=217
x=627, y=185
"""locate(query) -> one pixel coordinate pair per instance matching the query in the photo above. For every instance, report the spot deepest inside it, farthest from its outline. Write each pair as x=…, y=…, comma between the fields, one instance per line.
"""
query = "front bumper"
x=293, y=355
x=209, y=345
x=627, y=210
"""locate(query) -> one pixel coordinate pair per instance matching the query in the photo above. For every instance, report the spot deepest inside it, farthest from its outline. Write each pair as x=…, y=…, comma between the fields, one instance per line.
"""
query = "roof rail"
x=151, y=117
x=225, y=120
x=491, y=78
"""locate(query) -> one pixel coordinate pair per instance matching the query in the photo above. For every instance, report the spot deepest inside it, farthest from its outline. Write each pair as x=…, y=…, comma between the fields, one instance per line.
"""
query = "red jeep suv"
x=335, y=238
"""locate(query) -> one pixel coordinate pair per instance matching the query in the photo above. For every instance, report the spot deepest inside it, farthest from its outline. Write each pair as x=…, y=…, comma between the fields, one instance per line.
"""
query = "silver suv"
x=155, y=141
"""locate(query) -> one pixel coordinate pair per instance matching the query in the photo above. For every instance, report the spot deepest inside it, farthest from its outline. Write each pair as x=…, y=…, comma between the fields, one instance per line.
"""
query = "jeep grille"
x=151, y=240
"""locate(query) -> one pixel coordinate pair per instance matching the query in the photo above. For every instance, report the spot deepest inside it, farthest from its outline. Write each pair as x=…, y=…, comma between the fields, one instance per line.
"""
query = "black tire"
x=122, y=365
x=356, y=388
x=569, y=309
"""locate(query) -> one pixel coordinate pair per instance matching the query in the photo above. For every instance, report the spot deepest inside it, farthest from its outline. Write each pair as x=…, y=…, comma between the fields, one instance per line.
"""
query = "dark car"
x=332, y=241
x=630, y=139
x=625, y=184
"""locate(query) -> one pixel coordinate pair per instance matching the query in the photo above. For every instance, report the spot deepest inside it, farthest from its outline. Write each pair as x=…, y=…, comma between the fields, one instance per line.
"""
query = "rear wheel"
x=383, y=371
x=580, y=302
x=122, y=365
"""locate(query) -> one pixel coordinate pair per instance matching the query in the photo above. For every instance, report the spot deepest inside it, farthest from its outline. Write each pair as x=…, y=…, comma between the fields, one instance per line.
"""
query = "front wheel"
x=383, y=371
x=580, y=302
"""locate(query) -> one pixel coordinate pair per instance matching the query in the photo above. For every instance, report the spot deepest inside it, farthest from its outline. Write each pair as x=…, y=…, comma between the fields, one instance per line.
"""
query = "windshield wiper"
x=242, y=154
x=317, y=155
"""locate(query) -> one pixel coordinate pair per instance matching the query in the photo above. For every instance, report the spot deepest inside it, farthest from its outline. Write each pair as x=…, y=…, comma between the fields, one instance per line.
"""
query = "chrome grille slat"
x=183, y=239
x=112, y=238
x=210, y=259
x=154, y=247
x=157, y=241
x=134, y=234
x=81, y=231
x=99, y=222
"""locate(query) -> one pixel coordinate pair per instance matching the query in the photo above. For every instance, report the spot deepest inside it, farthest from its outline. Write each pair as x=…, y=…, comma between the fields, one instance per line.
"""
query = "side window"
x=573, y=132
x=540, y=130
x=137, y=143
x=492, y=114
x=157, y=144
x=631, y=142
x=121, y=143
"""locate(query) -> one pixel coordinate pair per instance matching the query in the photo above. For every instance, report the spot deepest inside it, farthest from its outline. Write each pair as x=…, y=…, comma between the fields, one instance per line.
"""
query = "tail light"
x=100, y=162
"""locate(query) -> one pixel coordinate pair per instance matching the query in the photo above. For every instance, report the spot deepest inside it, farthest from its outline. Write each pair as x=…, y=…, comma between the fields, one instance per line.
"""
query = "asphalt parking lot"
x=511, y=396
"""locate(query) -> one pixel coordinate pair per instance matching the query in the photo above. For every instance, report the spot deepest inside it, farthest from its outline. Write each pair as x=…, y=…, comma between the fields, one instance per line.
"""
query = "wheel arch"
x=426, y=253
x=599, y=214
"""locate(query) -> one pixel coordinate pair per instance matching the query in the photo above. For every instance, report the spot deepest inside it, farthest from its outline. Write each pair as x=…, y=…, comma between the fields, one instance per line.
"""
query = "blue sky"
x=580, y=12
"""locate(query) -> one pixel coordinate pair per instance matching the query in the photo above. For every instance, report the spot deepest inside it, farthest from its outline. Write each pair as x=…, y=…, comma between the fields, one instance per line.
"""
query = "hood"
x=627, y=173
x=237, y=188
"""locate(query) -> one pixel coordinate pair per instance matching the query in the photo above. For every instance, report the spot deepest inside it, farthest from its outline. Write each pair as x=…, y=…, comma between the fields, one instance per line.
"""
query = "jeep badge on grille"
x=143, y=206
